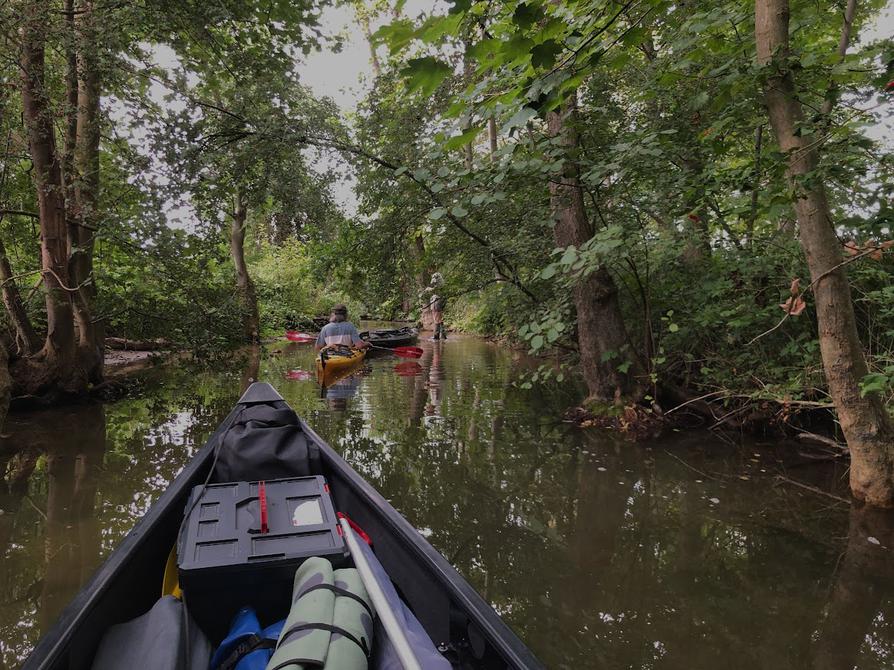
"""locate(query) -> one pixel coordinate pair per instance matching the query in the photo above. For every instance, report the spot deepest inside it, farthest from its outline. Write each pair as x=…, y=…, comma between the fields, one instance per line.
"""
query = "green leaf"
x=484, y=50
x=463, y=139
x=700, y=100
x=569, y=256
x=673, y=328
x=527, y=15
x=459, y=211
x=425, y=74
x=399, y=171
x=520, y=118
x=436, y=28
x=396, y=35
x=536, y=342
x=478, y=198
x=437, y=213
x=460, y=6
x=544, y=55
x=517, y=47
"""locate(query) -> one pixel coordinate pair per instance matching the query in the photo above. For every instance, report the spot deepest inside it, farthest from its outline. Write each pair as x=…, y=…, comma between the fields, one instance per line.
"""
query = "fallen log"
x=126, y=344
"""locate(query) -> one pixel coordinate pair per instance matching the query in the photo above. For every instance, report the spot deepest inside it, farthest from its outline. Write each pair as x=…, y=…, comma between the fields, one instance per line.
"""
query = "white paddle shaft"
x=380, y=602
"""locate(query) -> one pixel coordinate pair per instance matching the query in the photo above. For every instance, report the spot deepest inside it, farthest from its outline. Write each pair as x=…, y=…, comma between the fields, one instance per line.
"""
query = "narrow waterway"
x=685, y=553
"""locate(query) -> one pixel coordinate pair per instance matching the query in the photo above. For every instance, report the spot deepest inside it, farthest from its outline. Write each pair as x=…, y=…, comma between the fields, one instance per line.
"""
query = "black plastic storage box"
x=227, y=561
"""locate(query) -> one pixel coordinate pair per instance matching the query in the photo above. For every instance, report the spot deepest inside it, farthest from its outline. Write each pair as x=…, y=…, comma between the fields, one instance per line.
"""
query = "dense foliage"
x=684, y=186
x=208, y=136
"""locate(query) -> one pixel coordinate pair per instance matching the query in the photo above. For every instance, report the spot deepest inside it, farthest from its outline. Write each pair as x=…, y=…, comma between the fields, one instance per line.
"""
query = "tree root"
x=633, y=421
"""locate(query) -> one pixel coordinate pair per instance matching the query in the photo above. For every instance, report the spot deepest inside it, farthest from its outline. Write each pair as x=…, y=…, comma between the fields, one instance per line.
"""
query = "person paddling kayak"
x=339, y=331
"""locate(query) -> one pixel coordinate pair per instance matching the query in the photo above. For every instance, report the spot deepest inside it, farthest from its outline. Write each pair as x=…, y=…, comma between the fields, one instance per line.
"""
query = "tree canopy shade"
x=682, y=203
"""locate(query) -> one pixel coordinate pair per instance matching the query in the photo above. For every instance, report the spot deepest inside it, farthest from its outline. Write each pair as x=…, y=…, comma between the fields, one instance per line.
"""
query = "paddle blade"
x=295, y=336
x=408, y=352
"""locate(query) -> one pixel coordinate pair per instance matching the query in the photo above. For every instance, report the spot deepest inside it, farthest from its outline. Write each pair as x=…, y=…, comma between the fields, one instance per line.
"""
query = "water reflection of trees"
x=600, y=553
x=77, y=479
x=50, y=536
x=603, y=554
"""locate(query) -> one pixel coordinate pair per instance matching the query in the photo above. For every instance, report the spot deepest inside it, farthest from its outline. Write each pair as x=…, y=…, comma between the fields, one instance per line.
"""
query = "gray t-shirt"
x=339, y=332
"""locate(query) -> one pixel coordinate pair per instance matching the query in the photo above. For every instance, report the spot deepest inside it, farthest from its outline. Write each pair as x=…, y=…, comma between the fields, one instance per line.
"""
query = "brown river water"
x=687, y=552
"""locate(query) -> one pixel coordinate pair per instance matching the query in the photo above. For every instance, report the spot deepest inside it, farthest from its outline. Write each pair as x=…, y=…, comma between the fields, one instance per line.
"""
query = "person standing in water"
x=436, y=304
x=339, y=331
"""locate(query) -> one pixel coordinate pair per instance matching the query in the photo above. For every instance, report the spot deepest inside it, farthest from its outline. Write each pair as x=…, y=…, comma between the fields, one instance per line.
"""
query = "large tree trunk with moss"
x=245, y=287
x=601, y=335
x=864, y=422
x=55, y=367
x=91, y=333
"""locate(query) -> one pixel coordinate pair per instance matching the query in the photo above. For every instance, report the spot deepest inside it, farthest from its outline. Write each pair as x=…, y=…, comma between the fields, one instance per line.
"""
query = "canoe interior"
x=129, y=582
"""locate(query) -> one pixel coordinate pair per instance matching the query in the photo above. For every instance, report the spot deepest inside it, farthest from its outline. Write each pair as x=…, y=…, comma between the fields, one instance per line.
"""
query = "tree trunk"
x=492, y=136
x=55, y=367
x=468, y=149
x=5, y=384
x=26, y=339
x=86, y=162
x=71, y=103
x=245, y=287
x=600, y=328
x=864, y=422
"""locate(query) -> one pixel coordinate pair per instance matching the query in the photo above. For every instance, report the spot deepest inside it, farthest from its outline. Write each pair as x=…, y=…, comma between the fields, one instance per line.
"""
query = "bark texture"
x=864, y=422
x=5, y=383
x=55, y=366
x=245, y=287
x=600, y=325
x=86, y=162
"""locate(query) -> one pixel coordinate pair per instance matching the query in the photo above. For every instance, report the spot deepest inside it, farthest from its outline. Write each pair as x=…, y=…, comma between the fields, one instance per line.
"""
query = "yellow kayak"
x=334, y=363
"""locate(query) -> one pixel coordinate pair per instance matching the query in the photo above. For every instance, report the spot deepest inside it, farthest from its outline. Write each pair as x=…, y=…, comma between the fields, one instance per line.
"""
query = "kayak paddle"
x=403, y=352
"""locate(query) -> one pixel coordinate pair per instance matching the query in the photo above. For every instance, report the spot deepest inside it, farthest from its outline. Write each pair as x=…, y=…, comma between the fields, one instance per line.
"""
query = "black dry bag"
x=264, y=442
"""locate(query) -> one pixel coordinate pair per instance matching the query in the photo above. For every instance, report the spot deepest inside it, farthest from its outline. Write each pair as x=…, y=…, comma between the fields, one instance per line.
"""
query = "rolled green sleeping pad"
x=330, y=624
x=355, y=618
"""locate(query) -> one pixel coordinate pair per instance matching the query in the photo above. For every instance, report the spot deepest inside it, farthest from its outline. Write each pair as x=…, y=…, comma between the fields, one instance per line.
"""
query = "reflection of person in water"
x=340, y=392
x=435, y=377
